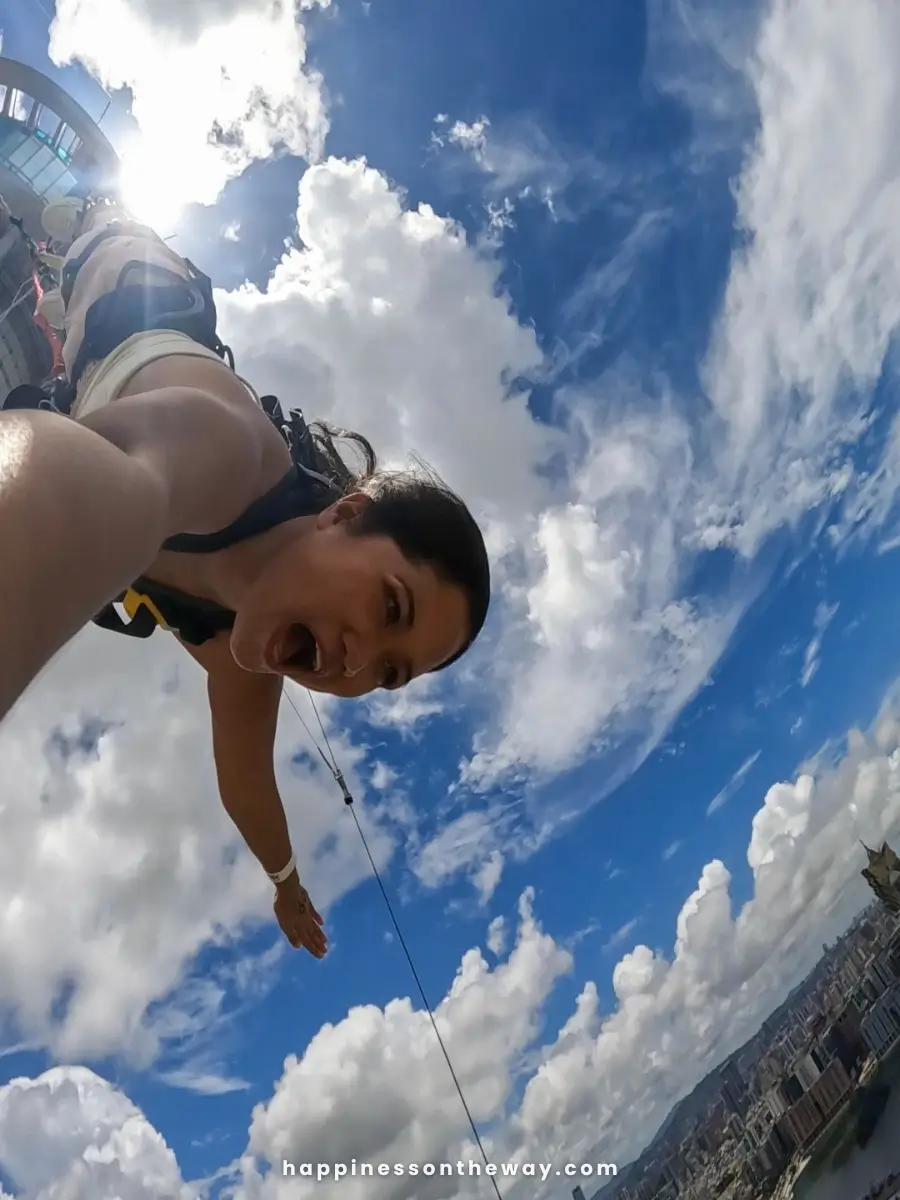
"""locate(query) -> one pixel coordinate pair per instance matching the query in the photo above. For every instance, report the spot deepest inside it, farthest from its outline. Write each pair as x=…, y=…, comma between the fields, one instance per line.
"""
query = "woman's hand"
x=299, y=921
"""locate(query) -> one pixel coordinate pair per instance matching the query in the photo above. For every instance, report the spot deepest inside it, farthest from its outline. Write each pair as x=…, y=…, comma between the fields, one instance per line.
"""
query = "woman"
x=171, y=474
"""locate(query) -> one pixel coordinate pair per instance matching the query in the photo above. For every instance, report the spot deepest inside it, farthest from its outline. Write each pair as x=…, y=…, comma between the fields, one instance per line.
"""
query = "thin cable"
x=25, y=287
x=348, y=800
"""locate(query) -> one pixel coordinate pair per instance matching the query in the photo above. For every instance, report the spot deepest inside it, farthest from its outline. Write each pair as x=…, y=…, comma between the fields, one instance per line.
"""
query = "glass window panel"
x=45, y=179
x=68, y=140
x=21, y=106
x=63, y=186
x=38, y=162
x=21, y=156
x=48, y=121
x=11, y=141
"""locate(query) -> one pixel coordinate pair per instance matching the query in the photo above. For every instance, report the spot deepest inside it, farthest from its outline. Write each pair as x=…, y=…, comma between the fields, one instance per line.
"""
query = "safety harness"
x=186, y=306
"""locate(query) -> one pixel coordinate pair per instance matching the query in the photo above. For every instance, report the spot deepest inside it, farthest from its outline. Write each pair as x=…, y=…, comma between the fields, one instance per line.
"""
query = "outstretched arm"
x=84, y=508
x=244, y=709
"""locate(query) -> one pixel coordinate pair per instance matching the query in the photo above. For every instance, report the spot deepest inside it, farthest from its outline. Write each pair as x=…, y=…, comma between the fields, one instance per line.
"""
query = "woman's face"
x=347, y=615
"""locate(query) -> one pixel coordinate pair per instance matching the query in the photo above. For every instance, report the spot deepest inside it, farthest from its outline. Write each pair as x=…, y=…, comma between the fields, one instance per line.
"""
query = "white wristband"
x=282, y=875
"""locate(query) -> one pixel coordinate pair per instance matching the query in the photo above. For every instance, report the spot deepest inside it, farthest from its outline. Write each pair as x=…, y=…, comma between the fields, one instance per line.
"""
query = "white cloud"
x=602, y=604
x=383, y=777
x=812, y=303
x=519, y=161
x=496, y=938
x=69, y=1134
x=734, y=783
x=243, y=91
x=622, y=934
x=388, y=322
x=488, y=875
x=824, y=616
x=671, y=850
x=457, y=844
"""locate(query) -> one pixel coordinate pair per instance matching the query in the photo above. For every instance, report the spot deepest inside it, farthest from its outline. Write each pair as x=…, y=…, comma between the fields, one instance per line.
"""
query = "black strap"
x=195, y=619
x=295, y=495
x=142, y=624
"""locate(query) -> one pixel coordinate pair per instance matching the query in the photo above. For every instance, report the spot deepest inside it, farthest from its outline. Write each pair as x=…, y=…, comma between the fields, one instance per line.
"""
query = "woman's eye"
x=394, y=612
x=390, y=677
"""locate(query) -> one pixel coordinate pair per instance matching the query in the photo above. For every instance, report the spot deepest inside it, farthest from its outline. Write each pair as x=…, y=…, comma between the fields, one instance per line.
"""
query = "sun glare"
x=150, y=194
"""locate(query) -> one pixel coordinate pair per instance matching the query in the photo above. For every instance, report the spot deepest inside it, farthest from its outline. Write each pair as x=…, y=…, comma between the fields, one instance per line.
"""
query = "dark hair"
x=416, y=509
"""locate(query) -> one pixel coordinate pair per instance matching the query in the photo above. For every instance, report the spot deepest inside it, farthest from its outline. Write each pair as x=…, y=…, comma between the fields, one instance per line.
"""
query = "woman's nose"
x=356, y=657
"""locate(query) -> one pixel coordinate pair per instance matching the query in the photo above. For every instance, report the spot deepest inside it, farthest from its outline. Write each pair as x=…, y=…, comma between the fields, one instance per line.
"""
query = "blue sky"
x=657, y=353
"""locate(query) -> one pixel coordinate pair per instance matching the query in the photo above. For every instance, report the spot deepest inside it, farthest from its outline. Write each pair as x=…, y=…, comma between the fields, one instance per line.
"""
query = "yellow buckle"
x=133, y=600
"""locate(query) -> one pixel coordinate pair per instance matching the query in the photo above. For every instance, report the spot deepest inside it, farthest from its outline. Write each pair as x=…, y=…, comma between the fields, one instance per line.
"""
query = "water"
x=863, y=1167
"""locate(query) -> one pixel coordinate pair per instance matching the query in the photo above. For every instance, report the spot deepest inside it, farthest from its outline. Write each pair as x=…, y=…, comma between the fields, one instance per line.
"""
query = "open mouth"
x=299, y=650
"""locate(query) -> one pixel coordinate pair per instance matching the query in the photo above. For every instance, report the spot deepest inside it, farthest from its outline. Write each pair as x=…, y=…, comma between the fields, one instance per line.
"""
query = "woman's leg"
x=99, y=274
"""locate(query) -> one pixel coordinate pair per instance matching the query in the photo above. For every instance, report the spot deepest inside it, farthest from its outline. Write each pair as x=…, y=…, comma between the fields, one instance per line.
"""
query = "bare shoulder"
x=199, y=430
x=213, y=378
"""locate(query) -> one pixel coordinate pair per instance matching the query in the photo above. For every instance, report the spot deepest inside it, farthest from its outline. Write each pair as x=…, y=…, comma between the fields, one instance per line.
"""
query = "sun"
x=150, y=194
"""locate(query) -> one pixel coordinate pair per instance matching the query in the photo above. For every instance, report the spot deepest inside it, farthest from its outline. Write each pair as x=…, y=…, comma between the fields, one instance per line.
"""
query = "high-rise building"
x=883, y=875
x=734, y=1089
x=49, y=147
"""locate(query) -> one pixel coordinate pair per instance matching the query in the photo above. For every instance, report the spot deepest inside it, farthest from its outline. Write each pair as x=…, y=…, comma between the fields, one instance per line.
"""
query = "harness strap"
x=151, y=605
x=185, y=305
x=293, y=496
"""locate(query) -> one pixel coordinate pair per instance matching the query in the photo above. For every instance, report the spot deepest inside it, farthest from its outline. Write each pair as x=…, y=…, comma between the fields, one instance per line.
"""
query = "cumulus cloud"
x=390, y=322
x=402, y=1106
x=374, y=1087
x=216, y=85
x=71, y=1134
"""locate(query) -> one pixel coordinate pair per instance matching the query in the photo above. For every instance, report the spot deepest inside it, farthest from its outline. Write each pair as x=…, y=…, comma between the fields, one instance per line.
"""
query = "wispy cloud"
x=520, y=162
x=671, y=850
x=621, y=935
x=203, y=1083
x=823, y=618
x=732, y=786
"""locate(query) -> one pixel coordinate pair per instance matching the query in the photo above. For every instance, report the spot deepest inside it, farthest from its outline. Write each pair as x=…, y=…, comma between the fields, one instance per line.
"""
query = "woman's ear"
x=347, y=509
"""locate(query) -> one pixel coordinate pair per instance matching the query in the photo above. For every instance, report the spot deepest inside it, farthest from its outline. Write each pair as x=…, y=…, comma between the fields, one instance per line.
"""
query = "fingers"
x=304, y=934
x=313, y=938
